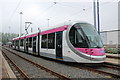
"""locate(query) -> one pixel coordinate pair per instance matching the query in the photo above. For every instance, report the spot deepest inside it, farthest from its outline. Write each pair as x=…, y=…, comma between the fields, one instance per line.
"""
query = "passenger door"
x=26, y=48
x=59, y=45
x=34, y=44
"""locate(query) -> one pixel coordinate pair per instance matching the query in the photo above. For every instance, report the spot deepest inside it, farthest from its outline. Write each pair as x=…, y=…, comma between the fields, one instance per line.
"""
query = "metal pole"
x=20, y=23
x=48, y=22
x=31, y=30
x=9, y=29
x=47, y=34
x=9, y=33
x=39, y=31
x=94, y=9
x=98, y=15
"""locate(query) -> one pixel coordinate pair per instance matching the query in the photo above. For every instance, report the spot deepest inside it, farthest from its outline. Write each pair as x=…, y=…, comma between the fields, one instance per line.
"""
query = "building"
x=110, y=38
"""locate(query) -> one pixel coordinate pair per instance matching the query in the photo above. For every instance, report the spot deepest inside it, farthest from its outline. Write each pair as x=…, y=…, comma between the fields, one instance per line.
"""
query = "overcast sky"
x=39, y=11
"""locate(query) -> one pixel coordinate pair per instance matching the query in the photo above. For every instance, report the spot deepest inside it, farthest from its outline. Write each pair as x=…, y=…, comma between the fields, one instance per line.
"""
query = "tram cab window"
x=51, y=41
x=76, y=38
x=30, y=42
x=44, y=41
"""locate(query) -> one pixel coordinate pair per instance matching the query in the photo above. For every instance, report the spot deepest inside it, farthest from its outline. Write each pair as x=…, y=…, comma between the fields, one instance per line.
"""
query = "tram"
x=72, y=42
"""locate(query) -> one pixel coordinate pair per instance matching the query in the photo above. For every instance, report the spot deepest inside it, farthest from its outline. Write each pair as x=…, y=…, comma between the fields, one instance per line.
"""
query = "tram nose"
x=89, y=51
x=92, y=51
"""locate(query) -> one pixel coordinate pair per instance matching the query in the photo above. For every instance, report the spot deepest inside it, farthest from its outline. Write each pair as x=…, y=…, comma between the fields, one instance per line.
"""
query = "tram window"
x=72, y=36
x=76, y=38
x=13, y=43
x=51, y=41
x=17, y=42
x=30, y=42
x=27, y=42
x=44, y=41
x=21, y=42
x=34, y=41
x=24, y=41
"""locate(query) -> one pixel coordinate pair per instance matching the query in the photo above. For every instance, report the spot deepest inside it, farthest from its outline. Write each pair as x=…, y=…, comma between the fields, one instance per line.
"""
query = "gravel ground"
x=31, y=70
x=67, y=70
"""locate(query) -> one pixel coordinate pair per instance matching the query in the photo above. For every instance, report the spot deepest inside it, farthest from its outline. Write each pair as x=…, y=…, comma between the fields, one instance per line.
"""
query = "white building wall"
x=104, y=37
x=110, y=37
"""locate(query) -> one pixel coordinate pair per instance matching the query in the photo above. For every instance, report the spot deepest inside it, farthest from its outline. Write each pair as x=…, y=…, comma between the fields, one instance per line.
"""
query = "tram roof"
x=44, y=30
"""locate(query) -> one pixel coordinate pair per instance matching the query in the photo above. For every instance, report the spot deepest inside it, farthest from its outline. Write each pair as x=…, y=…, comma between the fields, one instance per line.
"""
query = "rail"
x=42, y=67
x=15, y=65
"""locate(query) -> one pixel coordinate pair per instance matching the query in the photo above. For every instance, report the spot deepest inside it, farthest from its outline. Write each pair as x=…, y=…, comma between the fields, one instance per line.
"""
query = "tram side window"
x=51, y=41
x=30, y=42
x=44, y=41
x=17, y=42
x=24, y=41
x=27, y=42
x=13, y=43
x=34, y=41
x=21, y=42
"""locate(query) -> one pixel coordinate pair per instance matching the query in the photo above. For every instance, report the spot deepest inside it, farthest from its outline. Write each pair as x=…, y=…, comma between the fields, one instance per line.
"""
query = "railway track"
x=112, y=60
x=102, y=69
x=93, y=69
x=18, y=72
x=112, y=66
x=96, y=69
x=114, y=57
x=39, y=66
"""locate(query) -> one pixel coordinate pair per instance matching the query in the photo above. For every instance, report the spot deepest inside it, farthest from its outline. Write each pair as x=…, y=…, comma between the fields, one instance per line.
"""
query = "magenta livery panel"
x=54, y=30
x=92, y=51
x=46, y=32
x=32, y=35
x=27, y=36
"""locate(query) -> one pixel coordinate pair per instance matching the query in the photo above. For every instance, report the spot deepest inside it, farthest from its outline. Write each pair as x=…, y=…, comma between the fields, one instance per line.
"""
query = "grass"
x=112, y=50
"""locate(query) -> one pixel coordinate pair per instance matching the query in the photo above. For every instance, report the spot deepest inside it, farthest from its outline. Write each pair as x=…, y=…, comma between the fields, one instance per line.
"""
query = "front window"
x=77, y=39
x=83, y=35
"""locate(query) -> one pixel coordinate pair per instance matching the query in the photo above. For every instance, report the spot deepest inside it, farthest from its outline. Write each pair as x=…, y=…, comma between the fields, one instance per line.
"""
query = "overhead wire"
x=68, y=6
x=27, y=19
x=12, y=15
x=71, y=15
x=44, y=13
x=61, y=5
x=37, y=16
x=45, y=10
x=78, y=12
x=14, y=12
